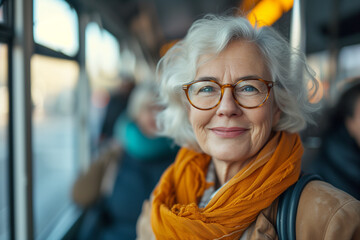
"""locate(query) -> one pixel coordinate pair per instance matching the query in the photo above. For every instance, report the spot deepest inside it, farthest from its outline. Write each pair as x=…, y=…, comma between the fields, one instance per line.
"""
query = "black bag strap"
x=287, y=207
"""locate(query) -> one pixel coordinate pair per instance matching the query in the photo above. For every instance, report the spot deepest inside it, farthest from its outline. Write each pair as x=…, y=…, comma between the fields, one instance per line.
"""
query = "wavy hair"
x=211, y=35
x=144, y=93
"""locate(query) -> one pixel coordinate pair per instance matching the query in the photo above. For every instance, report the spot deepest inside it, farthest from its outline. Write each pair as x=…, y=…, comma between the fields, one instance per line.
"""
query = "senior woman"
x=235, y=107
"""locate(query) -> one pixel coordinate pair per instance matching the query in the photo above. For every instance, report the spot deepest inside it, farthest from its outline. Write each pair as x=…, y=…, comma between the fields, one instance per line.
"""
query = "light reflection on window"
x=54, y=132
x=103, y=66
x=349, y=58
x=1, y=13
x=56, y=26
x=4, y=143
x=348, y=66
x=102, y=54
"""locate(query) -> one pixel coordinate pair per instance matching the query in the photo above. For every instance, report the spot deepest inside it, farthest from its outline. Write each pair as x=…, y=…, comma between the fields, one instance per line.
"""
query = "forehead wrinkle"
x=228, y=67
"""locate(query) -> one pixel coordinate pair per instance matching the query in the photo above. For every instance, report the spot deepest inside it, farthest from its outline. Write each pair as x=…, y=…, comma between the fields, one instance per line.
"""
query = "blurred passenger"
x=338, y=161
x=113, y=189
x=117, y=104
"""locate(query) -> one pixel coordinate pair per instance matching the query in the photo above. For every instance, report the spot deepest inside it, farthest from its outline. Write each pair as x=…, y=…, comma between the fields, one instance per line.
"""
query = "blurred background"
x=62, y=60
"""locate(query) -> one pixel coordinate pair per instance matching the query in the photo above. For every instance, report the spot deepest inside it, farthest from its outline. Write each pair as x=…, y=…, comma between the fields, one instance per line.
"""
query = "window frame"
x=16, y=32
x=6, y=37
x=71, y=214
x=9, y=163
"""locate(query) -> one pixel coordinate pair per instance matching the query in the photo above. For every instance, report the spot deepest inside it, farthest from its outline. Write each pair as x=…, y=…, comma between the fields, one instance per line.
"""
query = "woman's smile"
x=228, y=132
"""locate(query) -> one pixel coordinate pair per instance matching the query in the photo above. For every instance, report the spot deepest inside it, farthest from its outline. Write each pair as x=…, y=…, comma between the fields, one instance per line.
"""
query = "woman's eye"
x=207, y=89
x=249, y=89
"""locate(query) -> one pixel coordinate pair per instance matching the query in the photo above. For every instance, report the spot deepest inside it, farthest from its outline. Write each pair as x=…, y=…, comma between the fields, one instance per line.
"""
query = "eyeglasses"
x=248, y=93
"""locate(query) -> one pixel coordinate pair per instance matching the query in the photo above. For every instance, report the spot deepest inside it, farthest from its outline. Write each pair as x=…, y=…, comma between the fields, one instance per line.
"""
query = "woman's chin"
x=229, y=156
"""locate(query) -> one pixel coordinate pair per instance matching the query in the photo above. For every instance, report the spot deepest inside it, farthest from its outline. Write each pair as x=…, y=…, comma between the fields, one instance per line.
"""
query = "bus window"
x=102, y=52
x=56, y=26
x=54, y=139
x=348, y=67
x=54, y=132
x=102, y=66
x=349, y=58
x=4, y=125
x=1, y=13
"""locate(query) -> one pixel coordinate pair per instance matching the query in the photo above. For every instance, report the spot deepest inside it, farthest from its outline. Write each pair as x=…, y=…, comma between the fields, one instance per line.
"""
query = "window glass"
x=1, y=13
x=56, y=26
x=54, y=144
x=347, y=67
x=4, y=142
x=102, y=54
x=103, y=66
x=349, y=59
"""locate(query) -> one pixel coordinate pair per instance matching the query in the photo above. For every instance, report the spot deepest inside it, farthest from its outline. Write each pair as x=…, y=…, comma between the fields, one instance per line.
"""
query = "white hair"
x=144, y=93
x=211, y=35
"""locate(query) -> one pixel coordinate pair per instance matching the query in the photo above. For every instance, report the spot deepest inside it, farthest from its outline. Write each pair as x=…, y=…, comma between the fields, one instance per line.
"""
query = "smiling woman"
x=229, y=133
x=237, y=121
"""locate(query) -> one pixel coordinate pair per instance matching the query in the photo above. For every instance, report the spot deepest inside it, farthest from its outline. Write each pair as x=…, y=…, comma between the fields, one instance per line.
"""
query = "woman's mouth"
x=228, y=132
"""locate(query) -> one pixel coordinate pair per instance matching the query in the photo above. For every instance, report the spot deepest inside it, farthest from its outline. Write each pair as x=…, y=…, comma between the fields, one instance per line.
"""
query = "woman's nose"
x=228, y=106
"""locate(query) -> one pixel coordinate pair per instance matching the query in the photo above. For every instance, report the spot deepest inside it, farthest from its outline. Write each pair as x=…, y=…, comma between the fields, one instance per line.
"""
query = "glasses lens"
x=204, y=94
x=251, y=93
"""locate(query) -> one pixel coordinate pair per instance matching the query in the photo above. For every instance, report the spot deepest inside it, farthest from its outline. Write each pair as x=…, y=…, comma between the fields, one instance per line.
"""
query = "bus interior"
x=60, y=60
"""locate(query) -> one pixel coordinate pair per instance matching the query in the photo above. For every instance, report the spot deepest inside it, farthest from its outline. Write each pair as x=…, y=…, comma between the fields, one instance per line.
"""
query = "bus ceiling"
x=328, y=23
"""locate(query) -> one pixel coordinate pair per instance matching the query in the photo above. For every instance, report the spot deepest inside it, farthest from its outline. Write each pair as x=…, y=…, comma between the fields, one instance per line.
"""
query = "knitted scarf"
x=175, y=213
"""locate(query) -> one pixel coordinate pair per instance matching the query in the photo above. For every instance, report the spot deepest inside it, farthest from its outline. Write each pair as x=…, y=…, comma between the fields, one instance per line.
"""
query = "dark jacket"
x=338, y=161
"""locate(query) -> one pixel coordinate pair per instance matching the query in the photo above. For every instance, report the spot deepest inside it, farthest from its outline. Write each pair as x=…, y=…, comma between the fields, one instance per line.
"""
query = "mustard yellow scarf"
x=175, y=213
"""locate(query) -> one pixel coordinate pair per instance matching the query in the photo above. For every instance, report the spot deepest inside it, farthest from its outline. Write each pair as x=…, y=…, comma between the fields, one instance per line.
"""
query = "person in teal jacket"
x=124, y=177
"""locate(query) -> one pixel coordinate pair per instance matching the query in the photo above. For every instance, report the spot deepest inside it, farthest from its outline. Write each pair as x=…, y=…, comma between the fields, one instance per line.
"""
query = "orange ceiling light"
x=247, y=5
x=266, y=12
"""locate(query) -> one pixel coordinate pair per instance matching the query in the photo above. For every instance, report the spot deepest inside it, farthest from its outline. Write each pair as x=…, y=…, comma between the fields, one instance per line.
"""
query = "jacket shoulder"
x=325, y=212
